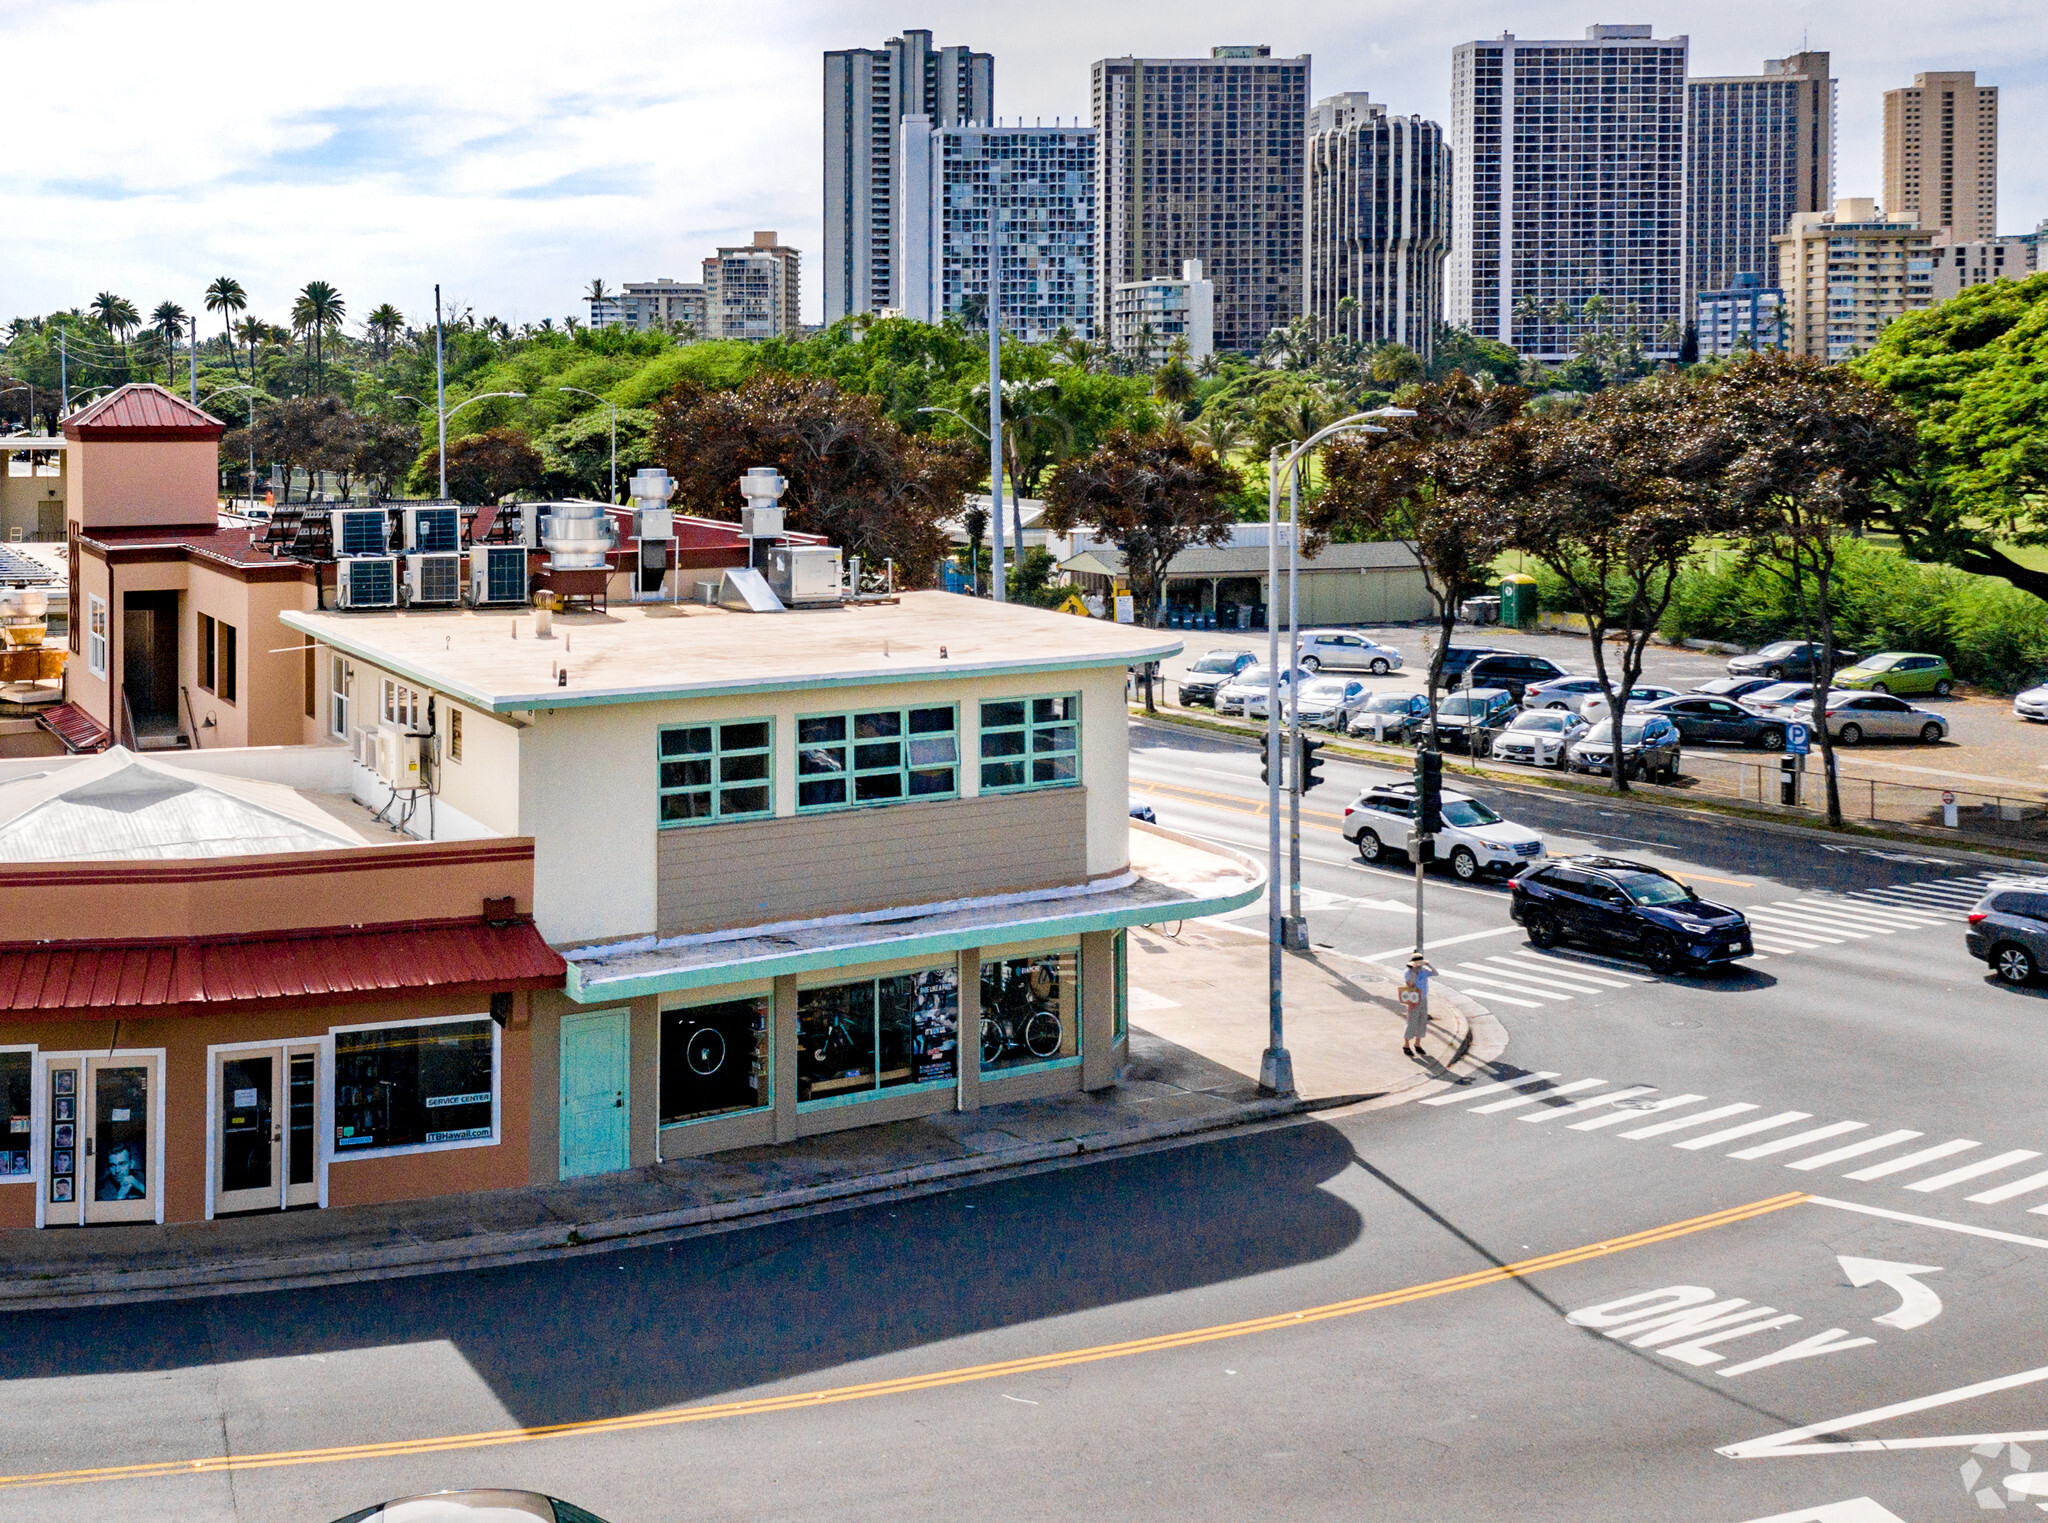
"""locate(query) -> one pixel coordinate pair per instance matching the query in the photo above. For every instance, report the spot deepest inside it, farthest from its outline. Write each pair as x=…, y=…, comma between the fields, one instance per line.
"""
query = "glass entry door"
x=265, y=1126
x=121, y=1176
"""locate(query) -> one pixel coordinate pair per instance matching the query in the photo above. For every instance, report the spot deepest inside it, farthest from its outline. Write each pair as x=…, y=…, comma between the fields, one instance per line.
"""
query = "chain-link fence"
x=1971, y=811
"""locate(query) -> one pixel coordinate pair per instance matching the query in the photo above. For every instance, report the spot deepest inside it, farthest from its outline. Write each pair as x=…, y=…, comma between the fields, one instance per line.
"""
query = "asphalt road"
x=1311, y=1321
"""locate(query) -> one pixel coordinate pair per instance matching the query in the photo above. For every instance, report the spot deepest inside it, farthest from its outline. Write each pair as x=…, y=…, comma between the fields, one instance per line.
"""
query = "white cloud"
x=513, y=151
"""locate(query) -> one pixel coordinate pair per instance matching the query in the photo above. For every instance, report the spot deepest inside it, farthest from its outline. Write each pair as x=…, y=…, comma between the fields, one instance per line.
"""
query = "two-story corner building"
x=809, y=870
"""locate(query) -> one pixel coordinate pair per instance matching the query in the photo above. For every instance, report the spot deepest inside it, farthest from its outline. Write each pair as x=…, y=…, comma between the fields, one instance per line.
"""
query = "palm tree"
x=169, y=320
x=227, y=297
x=383, y=325
x=1174, y=383
x=252, y=331
x=318, y=312
x=599, y=291
x=117, y=315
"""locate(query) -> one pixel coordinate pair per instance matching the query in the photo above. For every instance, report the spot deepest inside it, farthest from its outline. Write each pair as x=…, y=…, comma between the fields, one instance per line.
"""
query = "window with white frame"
x=401, y=704
x=428, y=1084
x=1030, y=743
x=337, y=697
x=96, y=634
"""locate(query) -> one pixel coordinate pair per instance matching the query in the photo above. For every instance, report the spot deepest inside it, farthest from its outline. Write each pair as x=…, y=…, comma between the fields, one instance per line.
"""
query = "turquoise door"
x=594, y=1108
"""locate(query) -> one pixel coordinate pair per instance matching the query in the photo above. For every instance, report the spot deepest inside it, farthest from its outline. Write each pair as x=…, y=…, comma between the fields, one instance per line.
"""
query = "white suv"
x=1474, y=840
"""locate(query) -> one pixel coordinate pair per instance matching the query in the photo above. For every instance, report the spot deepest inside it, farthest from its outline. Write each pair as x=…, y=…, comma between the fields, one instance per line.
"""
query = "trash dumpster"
x=1518, y=601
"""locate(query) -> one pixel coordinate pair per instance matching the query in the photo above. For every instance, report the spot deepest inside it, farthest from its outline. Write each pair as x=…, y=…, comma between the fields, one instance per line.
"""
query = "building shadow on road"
x=604, y=1334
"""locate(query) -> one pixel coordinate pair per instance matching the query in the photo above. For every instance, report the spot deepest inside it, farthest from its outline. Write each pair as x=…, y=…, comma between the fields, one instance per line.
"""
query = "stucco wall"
x=111, y=483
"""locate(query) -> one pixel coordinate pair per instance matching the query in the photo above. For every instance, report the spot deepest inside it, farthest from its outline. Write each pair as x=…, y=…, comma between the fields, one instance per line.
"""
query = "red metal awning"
x=197, y=975
x=77, y=729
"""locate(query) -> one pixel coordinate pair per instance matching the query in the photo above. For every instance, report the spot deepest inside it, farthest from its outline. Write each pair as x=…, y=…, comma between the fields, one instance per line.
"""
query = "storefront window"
x=1030, y=1010
x=883, y=757
x=413, y=1086
x=714, y=1059
x=1030, y=743
x=715, y=772
x=15, y=1137
x=858, y=1039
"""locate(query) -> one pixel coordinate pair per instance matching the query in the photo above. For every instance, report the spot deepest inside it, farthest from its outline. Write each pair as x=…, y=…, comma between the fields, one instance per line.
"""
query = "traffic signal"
x=1265, y=764
x=1429, y=792
x=1311, y=763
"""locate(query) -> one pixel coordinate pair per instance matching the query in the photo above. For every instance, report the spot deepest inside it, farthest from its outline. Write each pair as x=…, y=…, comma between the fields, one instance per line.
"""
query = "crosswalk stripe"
x=1801, y=933
x=1584, y=983
x=1619, y=1117
x=1493, y=991
x=1936, y=900
x=1787, y=1144
x=1580, y=1107
x=1685, y=1121
x=1805, y=925
x=1840, y=923
x=1535, y=1095
x=1522, y=984
x=1853, y=1150
x=1747, y=1129
x=1453, y=1096
x=1769, y=946
x=2017, y=1187
x=1901, y=919
x=1974, y=1170
x=1913, y=1160
x=1580, y=967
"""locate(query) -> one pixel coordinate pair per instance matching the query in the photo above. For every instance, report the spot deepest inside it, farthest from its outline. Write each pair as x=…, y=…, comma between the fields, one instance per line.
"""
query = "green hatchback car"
x=1899, y=671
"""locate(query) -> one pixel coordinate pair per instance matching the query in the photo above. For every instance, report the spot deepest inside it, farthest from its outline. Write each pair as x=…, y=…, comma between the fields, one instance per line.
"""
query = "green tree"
x=1151, y=495
x=116, y=314
x=484, y=467
x=1436, y=481
x=227, y=297
x=1809, y=450
x=169, y=322
x=1973, y=375
x=317, y=312
x=383, y=325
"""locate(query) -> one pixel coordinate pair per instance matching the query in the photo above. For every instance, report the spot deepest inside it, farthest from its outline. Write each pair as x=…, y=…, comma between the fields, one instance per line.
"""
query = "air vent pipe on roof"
x=761, y=519
x=577, y=537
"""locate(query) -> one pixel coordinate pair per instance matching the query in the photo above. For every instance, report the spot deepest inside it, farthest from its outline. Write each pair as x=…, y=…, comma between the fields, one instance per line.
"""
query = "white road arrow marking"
x=1861, y=1510
x=1917, y=1304
x=1798, y=1440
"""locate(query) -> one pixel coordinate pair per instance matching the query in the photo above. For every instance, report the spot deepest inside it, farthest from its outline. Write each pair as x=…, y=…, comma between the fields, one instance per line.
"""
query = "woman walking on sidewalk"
x=1415, y=995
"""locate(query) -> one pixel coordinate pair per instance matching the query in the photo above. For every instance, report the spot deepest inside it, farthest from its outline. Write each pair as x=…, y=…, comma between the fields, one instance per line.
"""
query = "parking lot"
x=1990, y=758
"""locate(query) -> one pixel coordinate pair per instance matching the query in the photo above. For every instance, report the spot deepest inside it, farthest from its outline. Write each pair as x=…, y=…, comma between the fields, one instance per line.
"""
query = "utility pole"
x=1276, y=1066
x=193, y=368
x=995, y=411
x=63, y=373
x=440, y=393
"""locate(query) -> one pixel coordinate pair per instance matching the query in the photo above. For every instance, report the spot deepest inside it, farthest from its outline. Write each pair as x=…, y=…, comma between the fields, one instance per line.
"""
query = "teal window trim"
x=867, y=758
x=869, y=1096
x=993, y=1072
x=767, y=1105
x=1122, y=942
x=876, y=1088
x=1032, y=742
x=716, y=772
x=998, y=1075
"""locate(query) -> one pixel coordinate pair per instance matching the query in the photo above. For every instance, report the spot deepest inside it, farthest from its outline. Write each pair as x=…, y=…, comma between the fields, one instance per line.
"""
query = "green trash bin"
x=1518, y=602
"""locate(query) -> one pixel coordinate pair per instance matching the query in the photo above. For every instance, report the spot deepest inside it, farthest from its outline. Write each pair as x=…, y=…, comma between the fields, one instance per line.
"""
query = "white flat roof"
x=650, y=652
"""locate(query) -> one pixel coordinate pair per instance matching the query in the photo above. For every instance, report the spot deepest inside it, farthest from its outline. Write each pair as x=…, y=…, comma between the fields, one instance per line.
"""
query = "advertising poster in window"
x=413, y=1086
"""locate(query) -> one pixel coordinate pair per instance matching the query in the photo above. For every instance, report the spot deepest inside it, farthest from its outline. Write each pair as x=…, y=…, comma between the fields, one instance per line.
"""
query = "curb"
x=497, y=1250
x=1978, y=853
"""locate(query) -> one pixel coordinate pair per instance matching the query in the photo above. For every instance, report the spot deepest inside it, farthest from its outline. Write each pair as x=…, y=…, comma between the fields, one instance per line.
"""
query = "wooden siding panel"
x=711, y=877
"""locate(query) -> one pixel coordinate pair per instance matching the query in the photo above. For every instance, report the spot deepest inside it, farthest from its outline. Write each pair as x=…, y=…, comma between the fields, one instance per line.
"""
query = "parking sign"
x=1798, y=739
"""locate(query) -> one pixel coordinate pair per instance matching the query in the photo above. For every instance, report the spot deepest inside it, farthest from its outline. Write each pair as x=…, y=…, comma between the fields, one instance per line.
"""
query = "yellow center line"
x=765, y=1405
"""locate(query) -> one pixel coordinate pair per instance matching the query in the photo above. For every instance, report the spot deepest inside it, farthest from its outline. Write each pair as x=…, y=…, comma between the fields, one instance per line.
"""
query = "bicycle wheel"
x=1042, y=1034
x=704, y=1051
x=993, y=1043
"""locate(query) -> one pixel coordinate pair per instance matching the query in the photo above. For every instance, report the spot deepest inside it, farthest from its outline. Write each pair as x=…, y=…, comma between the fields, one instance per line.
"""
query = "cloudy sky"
x=512, y=151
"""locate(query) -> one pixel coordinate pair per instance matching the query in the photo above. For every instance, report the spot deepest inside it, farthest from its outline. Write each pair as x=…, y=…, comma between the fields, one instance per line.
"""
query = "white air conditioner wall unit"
x=401, y=758
x=361, y=531
x=497, y=574
x=363, y=743
x=432, y=529
x=435, y=578
x=366, y=581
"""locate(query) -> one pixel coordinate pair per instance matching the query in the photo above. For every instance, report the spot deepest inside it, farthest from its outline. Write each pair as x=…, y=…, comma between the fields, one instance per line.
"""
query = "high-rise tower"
x=1379, y=222
x=1941, y=154
x=1761, y=149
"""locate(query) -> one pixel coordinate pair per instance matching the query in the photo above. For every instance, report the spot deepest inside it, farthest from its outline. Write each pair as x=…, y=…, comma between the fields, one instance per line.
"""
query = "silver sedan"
x=1855, y=717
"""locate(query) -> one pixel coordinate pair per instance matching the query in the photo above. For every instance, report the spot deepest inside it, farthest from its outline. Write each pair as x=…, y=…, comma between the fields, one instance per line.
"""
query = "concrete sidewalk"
x=1198, y=1027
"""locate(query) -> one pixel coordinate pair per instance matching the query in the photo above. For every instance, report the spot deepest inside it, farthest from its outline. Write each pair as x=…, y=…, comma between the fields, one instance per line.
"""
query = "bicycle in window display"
x=1017, y=1022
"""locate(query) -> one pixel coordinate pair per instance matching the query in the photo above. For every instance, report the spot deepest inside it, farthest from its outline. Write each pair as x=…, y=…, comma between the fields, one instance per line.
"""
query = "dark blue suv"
x=1627, y=907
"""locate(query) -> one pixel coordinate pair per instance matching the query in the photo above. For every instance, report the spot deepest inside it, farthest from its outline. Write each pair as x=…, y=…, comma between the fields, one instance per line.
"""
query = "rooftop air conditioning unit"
x=433, y=529
x=497, y=574
x=361, y=531
x=805, y=574
x=366, y=581
x=401, y=758
x=363, y=744
x=435, y=578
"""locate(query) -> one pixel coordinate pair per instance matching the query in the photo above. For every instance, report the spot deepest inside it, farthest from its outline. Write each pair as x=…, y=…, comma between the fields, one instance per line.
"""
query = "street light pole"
x=1297, y=928
x=995, y=410
x=615, y=433
x=1276, y=1066
x=440, y=393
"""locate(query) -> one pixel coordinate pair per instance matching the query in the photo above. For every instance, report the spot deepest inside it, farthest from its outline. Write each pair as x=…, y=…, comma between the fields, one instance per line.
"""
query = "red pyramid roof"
x=142, y=411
